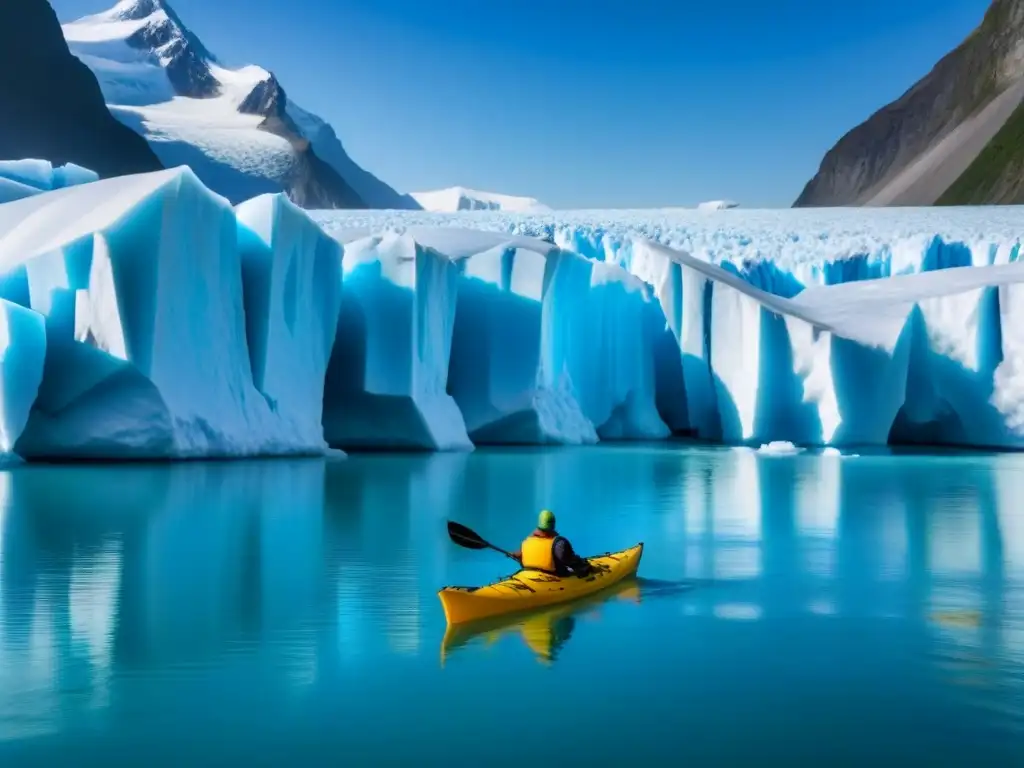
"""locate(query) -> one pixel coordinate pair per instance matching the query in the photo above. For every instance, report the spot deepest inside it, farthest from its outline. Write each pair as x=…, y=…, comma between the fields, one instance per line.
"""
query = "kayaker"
x=546, y=550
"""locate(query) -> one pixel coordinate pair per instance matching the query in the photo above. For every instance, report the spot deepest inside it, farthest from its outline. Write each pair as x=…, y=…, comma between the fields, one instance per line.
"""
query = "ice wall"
x=22, y=355
x=504, y=374
x=144, y=317
x=611, y=352
x=923, y=358
x=291, y=279
x=387, y=380
x=140, y=283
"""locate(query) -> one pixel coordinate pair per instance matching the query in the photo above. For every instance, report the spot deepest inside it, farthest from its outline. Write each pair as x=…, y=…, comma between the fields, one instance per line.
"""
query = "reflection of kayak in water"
x=544, y=630
x=529, y=589
x=964, y=618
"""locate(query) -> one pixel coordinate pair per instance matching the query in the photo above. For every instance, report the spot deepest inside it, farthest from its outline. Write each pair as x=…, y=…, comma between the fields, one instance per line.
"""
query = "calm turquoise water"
x=791, y=609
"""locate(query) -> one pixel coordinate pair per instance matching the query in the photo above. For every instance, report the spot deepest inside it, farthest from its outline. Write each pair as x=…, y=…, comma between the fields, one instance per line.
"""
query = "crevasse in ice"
x=146, y=318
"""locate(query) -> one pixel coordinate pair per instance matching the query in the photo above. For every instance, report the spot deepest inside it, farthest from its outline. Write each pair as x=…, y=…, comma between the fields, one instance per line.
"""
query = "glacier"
x=144, y=317
x=770, y=320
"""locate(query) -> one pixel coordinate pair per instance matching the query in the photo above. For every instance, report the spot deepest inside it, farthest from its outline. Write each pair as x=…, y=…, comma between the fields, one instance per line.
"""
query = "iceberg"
x=139, y=282
x=24, y=178
x=387, y=380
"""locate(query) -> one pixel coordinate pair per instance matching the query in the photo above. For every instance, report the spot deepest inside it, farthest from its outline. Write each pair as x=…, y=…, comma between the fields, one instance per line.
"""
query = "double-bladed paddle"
x=470, y=539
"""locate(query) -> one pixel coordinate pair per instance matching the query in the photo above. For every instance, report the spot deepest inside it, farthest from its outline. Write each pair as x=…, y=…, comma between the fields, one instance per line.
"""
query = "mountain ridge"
x=160, y=79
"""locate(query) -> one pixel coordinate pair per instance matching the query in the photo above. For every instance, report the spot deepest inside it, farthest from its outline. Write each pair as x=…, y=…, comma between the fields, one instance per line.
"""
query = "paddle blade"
x=466, y=537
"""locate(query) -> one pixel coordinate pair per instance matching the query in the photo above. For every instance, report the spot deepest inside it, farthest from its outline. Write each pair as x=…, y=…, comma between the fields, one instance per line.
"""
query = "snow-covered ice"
x=780, y=251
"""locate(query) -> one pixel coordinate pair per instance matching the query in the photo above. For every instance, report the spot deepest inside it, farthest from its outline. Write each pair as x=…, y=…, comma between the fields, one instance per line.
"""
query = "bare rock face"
x=960, y=86
x=314, y=184
x=51, y=103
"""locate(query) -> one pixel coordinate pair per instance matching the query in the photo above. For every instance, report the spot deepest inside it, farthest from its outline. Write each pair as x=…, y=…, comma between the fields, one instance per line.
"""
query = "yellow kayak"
x=544, y=631
x=528, y=589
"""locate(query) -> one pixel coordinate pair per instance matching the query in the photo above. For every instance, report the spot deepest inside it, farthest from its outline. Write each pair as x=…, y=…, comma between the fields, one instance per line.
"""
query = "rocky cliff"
x=949, y=138
x=51, y=103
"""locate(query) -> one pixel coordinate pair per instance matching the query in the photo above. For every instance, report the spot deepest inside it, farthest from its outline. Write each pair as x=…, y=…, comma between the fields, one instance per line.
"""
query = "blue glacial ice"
x=504, y=374
x=139, y=280
x=24, y=178
x=291, y=280
x=386, y=385
x=146, y=318
x=22, y=355
x=929, y=357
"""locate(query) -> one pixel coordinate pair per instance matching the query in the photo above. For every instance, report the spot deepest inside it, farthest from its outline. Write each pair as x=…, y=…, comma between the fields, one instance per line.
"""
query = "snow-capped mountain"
x=462, y=199
x=235, y=127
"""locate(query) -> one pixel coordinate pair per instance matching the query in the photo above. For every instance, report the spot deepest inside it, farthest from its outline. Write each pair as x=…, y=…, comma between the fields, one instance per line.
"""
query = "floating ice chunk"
x=71, y=175
x=41, y=176
x=505, y=385
x=386, y=383
x=291, y=275
x=37, y=174
x=139, y=280
x=779, y=448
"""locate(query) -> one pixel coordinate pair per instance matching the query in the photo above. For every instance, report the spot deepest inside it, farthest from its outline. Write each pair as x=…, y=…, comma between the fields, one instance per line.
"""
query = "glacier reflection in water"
x=286, y=610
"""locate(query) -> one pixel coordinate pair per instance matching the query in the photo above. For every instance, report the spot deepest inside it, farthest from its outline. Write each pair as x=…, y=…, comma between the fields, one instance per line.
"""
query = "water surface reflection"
x=252, y=598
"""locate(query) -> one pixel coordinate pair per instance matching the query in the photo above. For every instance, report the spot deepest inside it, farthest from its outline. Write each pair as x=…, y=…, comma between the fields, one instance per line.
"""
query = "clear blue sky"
x=587, y=103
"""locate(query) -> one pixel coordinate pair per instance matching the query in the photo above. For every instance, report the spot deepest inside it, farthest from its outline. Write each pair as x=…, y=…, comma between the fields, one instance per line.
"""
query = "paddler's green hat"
x=546, y=520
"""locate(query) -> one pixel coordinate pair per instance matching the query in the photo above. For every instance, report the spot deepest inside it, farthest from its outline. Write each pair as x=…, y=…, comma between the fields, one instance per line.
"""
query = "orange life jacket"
x=538, y=551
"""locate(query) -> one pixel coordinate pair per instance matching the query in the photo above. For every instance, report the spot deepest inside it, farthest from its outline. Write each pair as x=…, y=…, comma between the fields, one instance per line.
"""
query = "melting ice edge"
x=144, y=317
